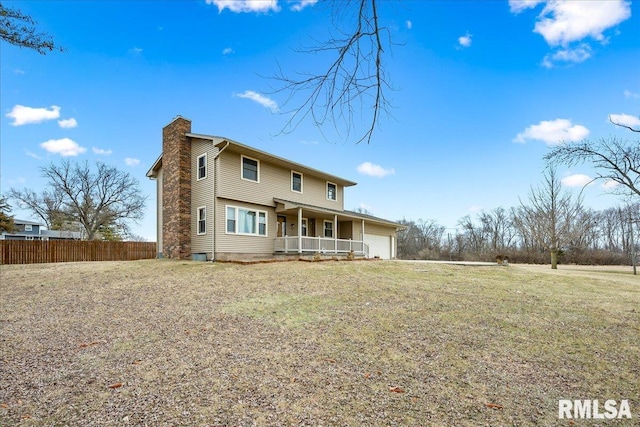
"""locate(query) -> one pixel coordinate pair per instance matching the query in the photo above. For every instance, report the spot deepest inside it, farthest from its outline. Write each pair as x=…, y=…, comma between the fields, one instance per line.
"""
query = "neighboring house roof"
x=61, y=234
x=288, y=204
x=24, y=222
x=237, y=147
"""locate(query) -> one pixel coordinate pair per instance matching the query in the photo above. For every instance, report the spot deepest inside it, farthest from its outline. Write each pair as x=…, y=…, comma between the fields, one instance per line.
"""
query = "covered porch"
x=310, y=229
x=304, y=244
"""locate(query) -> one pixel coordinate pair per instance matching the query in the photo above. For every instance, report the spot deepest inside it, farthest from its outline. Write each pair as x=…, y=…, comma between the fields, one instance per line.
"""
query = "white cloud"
x=260, y=99
x=305, y=142
x=475, y=208
x=301, y=4
x=32, y=155
x=625, y=120
x=18, y=180
x=135, y=51
x=576, y=55
x=18, y=71
x=247, y=6
x=632, y=95
x=409, y=24
x=465, y=41
x=609, y=184
x=563, y=22
x=576, y=180
x=517, y=6
x=68, y=123
x=227, y=51
x=131, y=161
x=100, y=151
x=553, y=132
x=22, y=115
x=65, y=147
x=365, y=207
x=368, y=168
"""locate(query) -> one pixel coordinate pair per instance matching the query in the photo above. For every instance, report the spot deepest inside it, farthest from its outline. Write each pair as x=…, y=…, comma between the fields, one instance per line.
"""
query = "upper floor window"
x=332, y=191
x=28, y=227
x=296, y=182
x=250, y=169
x=202, y=166
x=202, y=220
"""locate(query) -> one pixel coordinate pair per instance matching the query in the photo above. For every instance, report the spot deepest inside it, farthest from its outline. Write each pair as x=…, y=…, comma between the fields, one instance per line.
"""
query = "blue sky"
x=482, y=90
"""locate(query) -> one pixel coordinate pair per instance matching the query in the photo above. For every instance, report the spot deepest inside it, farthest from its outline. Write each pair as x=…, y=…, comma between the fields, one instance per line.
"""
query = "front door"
x=281, y=226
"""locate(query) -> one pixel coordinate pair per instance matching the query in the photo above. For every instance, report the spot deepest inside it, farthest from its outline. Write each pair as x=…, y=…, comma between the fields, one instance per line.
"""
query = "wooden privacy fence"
x=36, y=251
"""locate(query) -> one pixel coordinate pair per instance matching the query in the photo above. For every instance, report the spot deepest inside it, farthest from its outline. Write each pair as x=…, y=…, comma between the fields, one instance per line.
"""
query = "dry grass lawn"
x=166, y=343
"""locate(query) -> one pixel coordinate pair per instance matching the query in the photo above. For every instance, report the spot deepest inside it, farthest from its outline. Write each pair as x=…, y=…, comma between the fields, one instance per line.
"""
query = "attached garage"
x=380, y=246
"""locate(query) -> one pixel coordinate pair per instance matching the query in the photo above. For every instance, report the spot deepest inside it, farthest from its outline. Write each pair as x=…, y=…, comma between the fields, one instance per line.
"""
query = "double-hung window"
x=328, y=229
x=202, y=166
x=296, y=182
x=332, y=191
x=246, y=221
x=250, y=169
x=202, y=220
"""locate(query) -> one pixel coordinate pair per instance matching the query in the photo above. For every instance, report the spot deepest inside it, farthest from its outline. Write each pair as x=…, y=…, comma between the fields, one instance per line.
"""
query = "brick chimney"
x=176, y=189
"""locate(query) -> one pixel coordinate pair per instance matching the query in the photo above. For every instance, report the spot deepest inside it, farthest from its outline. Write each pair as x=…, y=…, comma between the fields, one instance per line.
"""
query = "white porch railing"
x=326, y=245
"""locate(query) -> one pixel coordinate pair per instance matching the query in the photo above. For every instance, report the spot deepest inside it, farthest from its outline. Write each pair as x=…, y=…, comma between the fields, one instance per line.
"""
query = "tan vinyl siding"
x=202, y=194
x=239, y=243
x=380, y=230
x=275, y=182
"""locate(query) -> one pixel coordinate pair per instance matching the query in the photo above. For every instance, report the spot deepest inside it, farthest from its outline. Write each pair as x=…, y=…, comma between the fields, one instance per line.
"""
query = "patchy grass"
x=351, y=344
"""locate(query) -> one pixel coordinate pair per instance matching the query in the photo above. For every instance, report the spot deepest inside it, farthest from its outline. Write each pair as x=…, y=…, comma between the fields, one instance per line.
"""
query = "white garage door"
x=378, y=245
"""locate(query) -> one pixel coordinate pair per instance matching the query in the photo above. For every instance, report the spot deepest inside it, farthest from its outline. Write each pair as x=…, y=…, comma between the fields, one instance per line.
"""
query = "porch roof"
x=284, y=206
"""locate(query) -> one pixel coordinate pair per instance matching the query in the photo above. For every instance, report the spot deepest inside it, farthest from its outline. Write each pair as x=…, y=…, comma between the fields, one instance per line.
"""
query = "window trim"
x=242, y=157
x=199, y=178
x=236, y=219
x=28, y=227
x=324, y=229
x=200, y=219
x=301, y=182
x=336, y=191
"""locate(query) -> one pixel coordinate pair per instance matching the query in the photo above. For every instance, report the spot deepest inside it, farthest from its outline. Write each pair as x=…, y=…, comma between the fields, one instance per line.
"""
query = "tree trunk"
x=554, y=259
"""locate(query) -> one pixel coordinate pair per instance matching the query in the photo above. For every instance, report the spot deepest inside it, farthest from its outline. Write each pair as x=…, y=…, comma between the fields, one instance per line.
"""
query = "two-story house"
x=218, y=199
x=29, y=230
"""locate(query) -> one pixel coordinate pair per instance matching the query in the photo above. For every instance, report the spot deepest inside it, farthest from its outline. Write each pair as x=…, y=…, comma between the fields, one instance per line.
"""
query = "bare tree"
x=47, y=206
x=550, y=215
x=99, y=198
x=614, y=160
x=497, y=226
x=354, y=82
x=20, y=30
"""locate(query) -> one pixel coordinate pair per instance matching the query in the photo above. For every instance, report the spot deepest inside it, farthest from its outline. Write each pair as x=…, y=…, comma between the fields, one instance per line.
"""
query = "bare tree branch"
x=623, y=126
x=615, y=160
x=20, y=30
x=354, y=83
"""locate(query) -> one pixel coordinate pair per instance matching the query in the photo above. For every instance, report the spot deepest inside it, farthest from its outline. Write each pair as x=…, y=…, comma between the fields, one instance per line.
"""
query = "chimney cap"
x=178, y=117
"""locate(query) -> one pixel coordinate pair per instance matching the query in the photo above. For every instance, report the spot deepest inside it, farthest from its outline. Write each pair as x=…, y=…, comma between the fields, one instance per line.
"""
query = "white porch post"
x=335, y=233
x=299, y=230
x=362, y=236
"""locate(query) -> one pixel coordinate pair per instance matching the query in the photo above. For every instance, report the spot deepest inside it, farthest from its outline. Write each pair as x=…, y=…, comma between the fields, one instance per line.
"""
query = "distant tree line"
x=590, y=237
